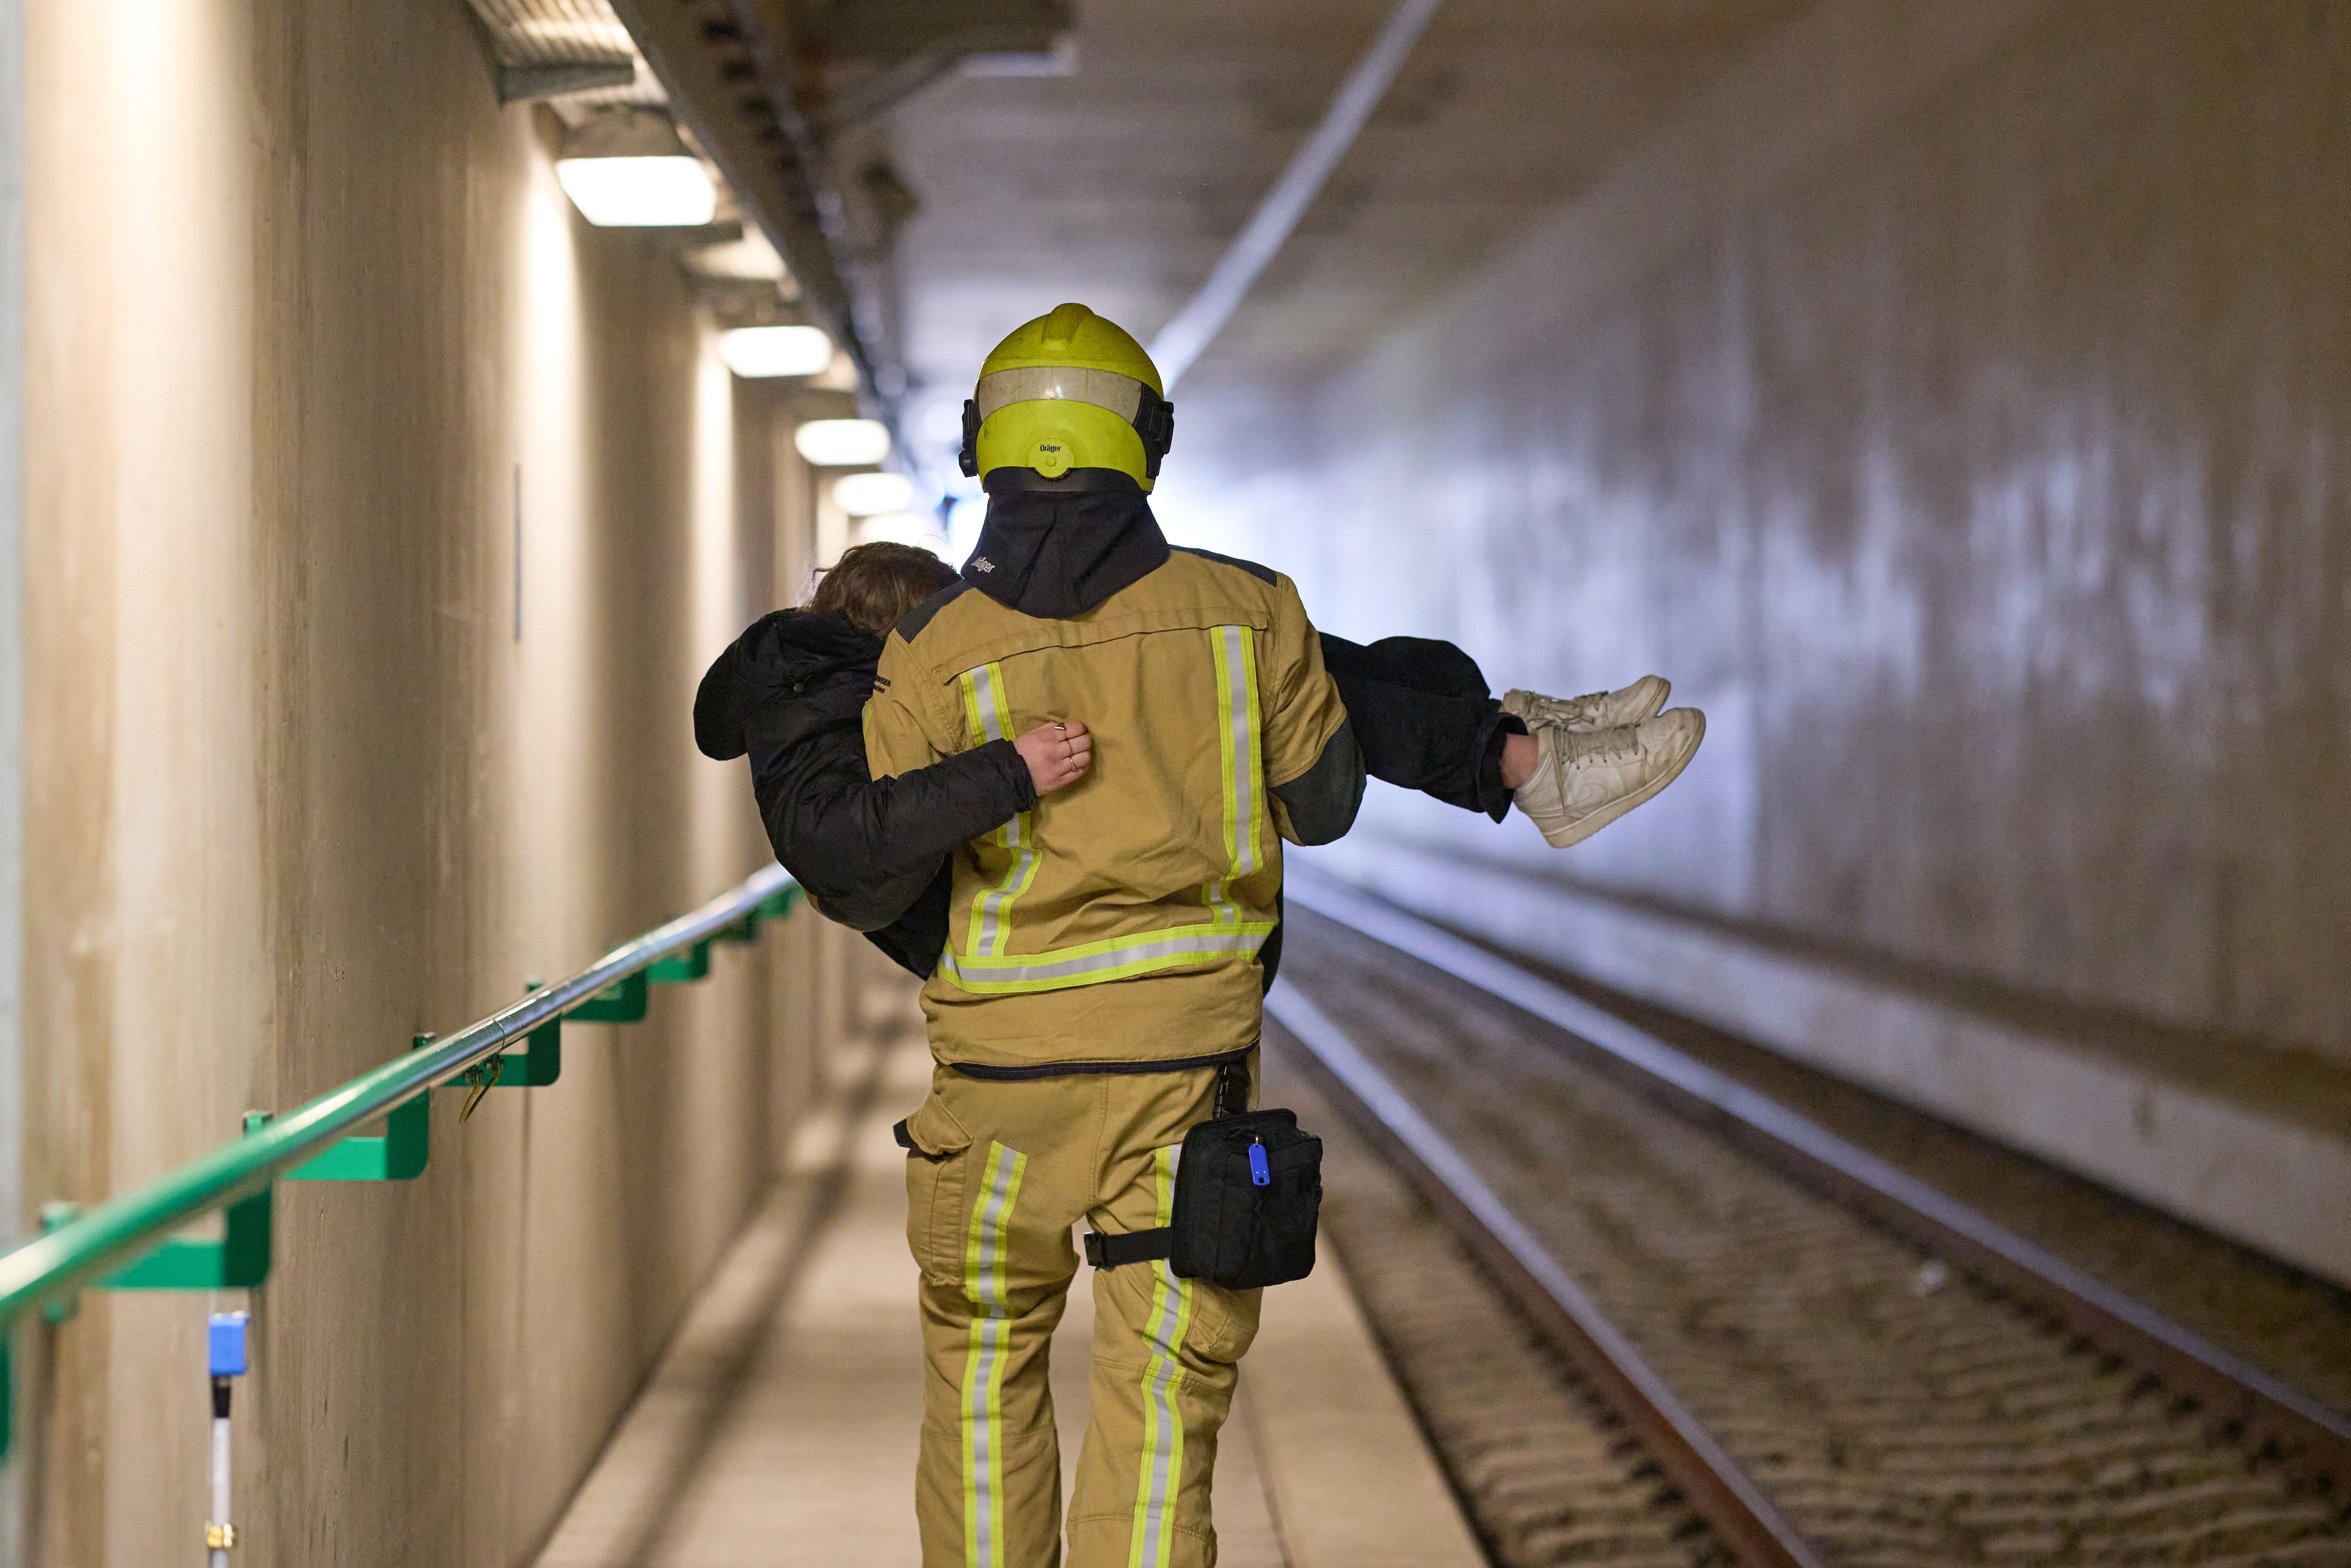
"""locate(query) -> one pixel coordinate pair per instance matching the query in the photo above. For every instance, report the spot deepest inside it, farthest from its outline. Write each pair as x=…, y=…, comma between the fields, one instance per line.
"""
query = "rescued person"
x=791, y=692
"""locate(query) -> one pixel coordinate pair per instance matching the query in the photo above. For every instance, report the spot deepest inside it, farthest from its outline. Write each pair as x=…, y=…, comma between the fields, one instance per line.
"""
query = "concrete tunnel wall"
x=303, y=304
x=1955, y=404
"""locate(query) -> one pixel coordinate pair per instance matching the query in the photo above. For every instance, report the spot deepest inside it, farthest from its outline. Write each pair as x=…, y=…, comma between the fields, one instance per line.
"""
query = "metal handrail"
x=50, y=1265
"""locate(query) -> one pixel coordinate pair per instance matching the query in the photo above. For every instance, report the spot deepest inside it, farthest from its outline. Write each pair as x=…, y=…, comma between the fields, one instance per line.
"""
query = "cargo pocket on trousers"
x=936, y=1160
x=1224, y=1323
x=1218, y=1324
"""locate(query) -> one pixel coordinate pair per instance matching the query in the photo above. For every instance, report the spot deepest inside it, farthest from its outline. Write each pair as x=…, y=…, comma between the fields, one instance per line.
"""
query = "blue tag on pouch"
x=1261, y=1174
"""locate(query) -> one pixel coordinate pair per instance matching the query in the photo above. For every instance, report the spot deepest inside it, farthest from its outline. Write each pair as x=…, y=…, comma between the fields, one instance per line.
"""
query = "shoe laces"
x=1537, y=708
x=1620, y=743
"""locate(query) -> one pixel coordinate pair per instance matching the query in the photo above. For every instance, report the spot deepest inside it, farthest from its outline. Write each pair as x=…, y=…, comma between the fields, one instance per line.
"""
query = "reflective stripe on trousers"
x=1100, y=1151
x=983, y=1375
x=1163, y=1426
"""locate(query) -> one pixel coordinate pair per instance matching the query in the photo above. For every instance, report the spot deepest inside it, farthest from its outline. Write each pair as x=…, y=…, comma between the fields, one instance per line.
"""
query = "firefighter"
x=1102, y=968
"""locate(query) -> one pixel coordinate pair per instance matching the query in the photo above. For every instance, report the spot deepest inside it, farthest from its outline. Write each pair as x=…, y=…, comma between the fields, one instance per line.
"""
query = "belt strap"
x=1108, y=1069
x=1108, y=1251
x=1232, y=1087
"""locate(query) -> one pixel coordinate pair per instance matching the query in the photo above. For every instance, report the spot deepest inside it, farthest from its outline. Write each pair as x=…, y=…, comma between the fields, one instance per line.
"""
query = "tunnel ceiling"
x=1122, y=183
x=787, y=97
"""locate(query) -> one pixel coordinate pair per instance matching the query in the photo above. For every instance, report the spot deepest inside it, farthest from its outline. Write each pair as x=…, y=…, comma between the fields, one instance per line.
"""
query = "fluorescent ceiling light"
x=868, y=495
x=757, y=352
x=640, y=192
x=842, y=443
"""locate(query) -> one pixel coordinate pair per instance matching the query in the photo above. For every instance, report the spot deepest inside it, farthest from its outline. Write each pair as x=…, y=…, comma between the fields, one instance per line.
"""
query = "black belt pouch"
x=1249, y=1192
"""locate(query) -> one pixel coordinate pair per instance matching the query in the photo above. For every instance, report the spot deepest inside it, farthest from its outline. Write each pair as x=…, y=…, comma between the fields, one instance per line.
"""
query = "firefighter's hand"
x=1057, y=754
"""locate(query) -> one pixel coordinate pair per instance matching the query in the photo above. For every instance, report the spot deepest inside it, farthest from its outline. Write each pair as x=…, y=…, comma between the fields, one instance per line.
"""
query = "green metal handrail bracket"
x=237, y=1259
x=621, y=1003
x=126, y=1242
x=681, y=969
x=399, y=1155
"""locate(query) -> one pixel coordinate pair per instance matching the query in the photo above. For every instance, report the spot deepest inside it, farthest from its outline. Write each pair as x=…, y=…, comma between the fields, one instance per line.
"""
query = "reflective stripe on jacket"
x=1203, y=684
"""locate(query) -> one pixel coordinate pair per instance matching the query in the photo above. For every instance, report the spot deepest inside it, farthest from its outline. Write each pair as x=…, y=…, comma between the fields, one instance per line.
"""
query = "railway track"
x=1832, y=1363
x=1546, y=1470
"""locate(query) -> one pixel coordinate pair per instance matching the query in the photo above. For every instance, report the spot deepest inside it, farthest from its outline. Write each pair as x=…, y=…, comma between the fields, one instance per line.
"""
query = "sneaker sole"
x=1576, y=833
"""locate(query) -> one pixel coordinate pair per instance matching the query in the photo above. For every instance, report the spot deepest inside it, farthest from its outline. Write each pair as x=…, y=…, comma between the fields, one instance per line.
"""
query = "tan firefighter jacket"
x=1120, y=919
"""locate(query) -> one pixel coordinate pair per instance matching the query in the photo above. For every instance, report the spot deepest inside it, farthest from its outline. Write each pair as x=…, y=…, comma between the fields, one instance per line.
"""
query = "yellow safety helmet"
x=1067, y=391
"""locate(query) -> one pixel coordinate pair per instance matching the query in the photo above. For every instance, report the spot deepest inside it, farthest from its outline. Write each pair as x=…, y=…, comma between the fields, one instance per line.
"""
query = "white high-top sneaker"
x=1588, y=778
x=1594, y=710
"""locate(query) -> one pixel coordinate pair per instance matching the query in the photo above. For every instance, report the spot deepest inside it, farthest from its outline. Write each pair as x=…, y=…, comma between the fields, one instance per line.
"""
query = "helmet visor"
x=1122, y=395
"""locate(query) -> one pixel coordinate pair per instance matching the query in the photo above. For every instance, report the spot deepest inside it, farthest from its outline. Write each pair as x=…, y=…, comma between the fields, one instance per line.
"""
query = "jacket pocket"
x=937, y=1172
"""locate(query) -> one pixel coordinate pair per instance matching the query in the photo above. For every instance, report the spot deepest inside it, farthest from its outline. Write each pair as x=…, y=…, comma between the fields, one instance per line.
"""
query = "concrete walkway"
x=779, y=1427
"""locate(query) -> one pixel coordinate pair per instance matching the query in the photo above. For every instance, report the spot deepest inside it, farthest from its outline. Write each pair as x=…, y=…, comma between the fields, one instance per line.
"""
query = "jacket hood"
x=1057, y=548
x=789, y=653
x=798, y=645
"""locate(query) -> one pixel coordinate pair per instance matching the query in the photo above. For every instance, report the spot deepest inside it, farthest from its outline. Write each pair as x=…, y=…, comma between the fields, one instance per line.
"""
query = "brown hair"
x=875, y=585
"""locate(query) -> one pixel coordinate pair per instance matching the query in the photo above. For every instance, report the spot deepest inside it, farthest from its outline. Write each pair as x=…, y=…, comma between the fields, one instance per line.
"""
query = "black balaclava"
x=1057, y=548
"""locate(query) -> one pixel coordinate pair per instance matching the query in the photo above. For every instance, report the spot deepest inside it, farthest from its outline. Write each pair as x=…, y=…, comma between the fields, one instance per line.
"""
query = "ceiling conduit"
x=1182, y=339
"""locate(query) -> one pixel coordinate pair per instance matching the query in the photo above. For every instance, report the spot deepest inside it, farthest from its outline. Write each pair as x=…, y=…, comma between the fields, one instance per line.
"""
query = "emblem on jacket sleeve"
x=981, y=563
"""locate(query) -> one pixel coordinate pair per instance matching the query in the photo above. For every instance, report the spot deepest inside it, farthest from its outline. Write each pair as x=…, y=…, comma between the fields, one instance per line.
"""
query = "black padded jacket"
x=791, y=693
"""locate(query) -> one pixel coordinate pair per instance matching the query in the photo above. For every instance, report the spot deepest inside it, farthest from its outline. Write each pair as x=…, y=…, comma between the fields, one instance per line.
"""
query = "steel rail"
x=1728, y=1498
x=2308, y=1434
x=50, y=1265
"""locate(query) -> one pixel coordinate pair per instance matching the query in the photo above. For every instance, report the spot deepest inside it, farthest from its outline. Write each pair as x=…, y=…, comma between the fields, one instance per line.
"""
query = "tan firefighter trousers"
x=999, y=1173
